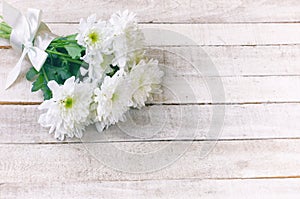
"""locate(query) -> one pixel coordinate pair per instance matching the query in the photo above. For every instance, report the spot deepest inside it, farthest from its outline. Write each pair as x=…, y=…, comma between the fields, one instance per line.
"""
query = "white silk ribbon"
x=29, y=36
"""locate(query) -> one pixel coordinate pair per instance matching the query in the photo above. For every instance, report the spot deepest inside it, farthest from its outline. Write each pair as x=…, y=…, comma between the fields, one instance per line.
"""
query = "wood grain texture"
x=191, y=11
x=18, y=124
x=254, y=46
x=66, y=163
x=232, y=60
x=228, y=60
x=208, y=34
x=158, y=189
x=240, y=68
x=183, y=89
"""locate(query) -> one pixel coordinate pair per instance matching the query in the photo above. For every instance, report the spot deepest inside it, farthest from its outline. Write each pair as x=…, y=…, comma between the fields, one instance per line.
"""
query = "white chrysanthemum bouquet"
x=92, y=77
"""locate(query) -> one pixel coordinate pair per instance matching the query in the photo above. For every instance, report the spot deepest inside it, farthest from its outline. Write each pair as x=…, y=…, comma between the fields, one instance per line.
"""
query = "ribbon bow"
x=25, y=31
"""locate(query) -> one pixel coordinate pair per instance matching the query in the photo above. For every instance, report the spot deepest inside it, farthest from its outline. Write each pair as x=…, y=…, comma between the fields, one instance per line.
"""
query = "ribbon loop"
x=25, y=31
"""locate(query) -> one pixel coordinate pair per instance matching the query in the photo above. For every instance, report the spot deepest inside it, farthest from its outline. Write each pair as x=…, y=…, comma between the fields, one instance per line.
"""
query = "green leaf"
x=71, y=37
x=74, y=50
x=59, y=74
x=64, y=73
x=46, y=92
x=31, y=74
x=38, y=84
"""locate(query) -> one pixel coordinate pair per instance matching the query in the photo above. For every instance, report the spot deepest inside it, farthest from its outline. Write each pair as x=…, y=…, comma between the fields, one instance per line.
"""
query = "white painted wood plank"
x=209, y=34
x=235, y=63
x=222, y=34
x=169, y=10
x=18, y=124
x=237, y=89
x=189, y=88
x=233, y=60
x=156, y=189
x=73, y=163
x=228, y=60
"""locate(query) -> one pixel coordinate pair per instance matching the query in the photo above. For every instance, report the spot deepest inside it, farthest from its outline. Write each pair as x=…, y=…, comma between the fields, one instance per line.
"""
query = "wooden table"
x=254, y=46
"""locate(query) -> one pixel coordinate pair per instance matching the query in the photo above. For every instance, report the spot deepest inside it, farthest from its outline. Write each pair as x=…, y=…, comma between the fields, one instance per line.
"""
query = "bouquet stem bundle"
x=5, y=30
x=63, y=62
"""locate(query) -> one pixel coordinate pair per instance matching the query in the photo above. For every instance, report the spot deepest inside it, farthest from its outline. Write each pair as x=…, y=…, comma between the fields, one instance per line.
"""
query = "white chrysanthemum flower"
x=122, y=21
x=68, y=111
x=96, y=36
x=93, y=34
x=145, y=78
x=112, y=100
x=128, y=41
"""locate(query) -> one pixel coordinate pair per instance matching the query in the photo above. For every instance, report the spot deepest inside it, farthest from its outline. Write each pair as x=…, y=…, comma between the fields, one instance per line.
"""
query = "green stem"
x=58, y=45
x=66, y=41
x=45, y=75
x=57, y=53
x=67, y=57
x=5, y=28
x=4, y=35
x=62, y=44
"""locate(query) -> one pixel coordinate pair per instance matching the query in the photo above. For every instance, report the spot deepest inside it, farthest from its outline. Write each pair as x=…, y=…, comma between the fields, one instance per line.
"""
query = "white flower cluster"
x=116, y=42
x=119, y=77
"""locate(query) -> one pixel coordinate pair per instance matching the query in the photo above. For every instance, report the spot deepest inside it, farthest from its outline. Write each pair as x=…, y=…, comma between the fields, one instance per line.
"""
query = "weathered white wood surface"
x=191, y=11
x=212, y=189
x=228, y=60
x=38, y=163
x=254, y=45
x=209, y=34
x=194, y=90
x=249, y=121
x=266, y=86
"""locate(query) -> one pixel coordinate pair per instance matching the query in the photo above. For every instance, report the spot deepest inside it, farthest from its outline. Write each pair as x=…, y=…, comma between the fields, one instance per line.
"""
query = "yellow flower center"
x=68, y=102
x=94, y=37
x=114, y=97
